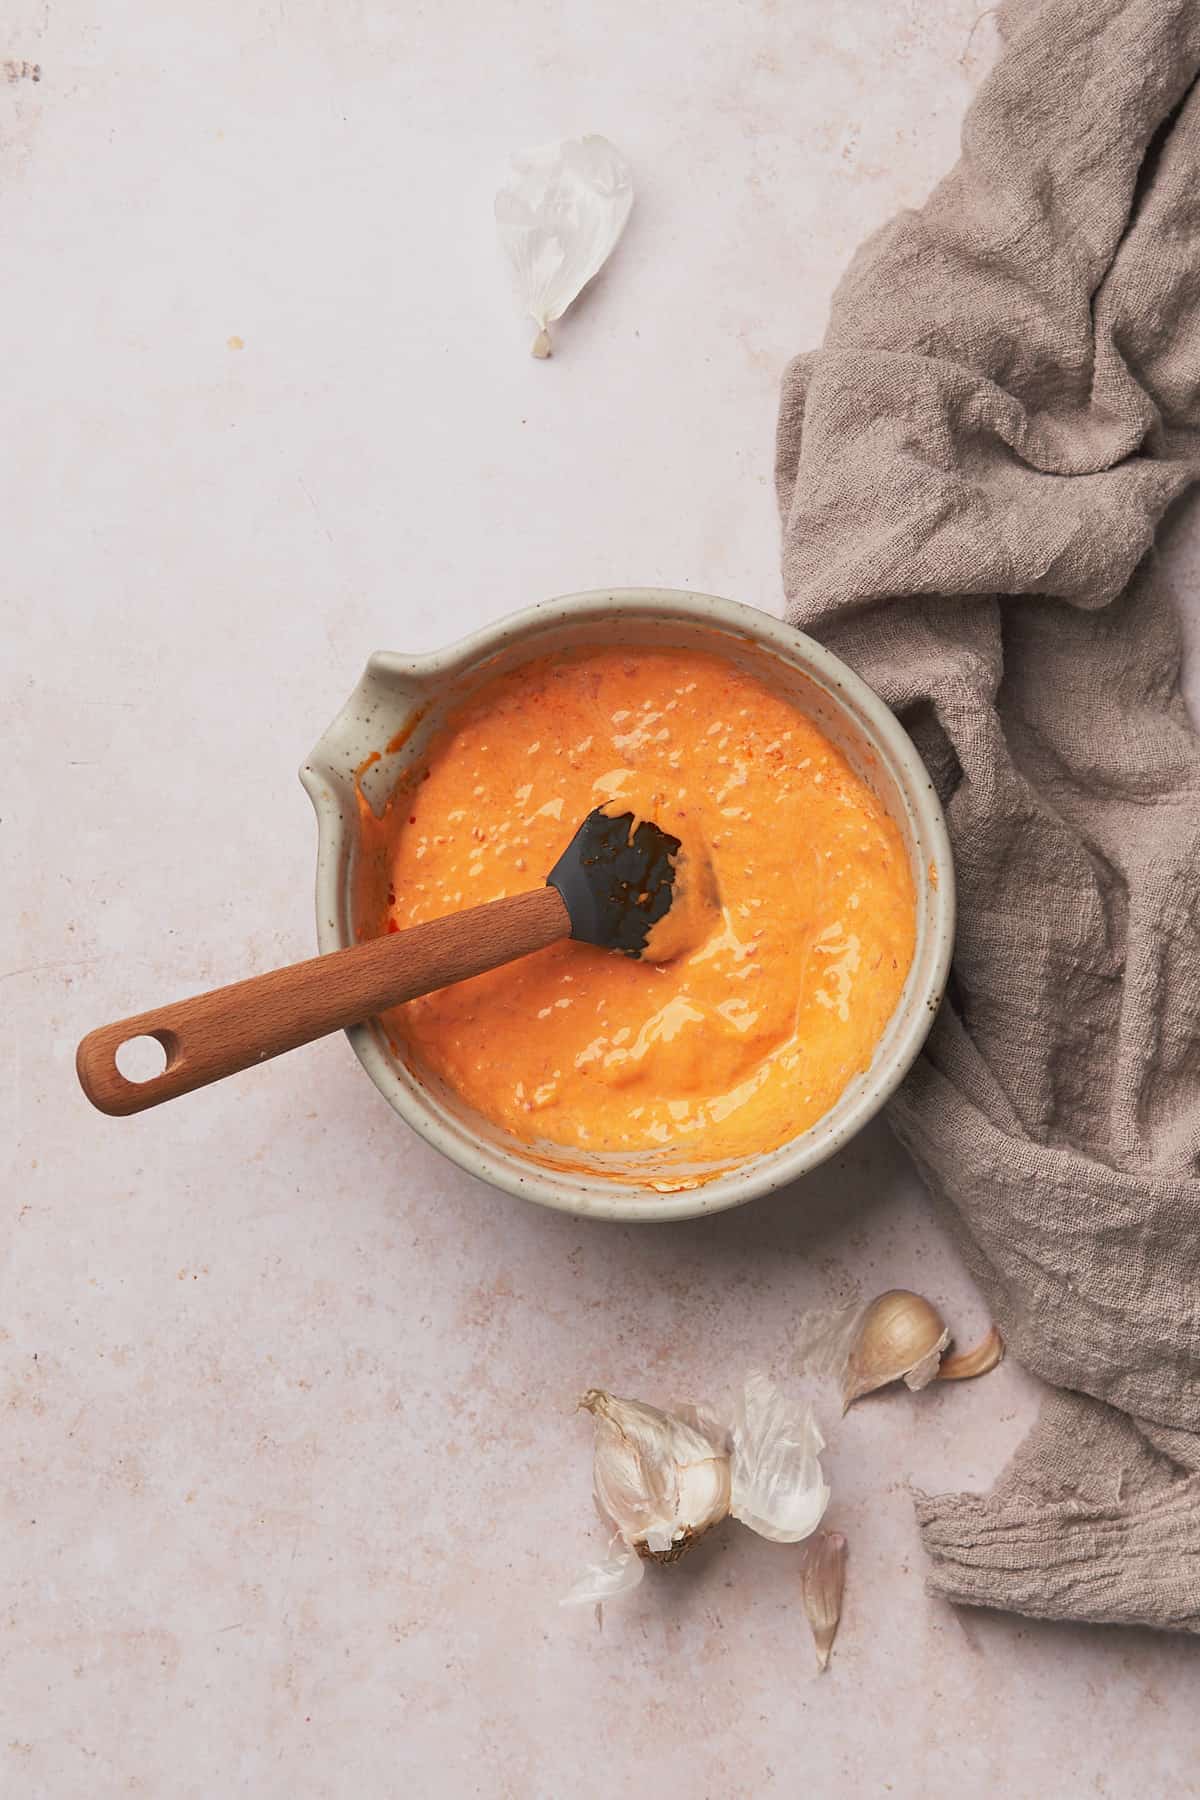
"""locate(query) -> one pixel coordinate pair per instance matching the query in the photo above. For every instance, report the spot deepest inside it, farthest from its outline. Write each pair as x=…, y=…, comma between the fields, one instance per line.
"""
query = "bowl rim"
x=324, y=777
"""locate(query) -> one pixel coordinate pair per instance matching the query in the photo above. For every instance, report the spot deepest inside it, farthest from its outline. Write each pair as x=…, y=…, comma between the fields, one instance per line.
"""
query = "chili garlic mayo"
x=788, y=945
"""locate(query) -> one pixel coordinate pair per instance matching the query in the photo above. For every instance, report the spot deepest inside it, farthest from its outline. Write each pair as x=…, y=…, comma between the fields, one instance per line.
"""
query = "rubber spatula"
x=613, y=882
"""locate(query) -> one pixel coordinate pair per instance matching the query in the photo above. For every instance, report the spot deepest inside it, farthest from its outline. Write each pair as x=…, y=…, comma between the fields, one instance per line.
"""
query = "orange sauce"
x=761, y=1010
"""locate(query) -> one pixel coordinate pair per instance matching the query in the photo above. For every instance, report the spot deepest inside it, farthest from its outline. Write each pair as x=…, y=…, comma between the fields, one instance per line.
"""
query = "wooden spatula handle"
x=214, y=1035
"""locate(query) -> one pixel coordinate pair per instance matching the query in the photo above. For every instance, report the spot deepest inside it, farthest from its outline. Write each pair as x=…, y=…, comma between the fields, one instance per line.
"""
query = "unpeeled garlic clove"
x=662, y=1481
x=987, y=1354
x=822, y=1580
x=899, y=1337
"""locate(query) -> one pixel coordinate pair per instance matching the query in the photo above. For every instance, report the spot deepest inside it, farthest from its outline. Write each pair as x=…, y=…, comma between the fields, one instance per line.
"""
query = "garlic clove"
x=899, y=1337
x=986, y=1355
x=776, y=1483
x=823, y=1579
x=660, y=1480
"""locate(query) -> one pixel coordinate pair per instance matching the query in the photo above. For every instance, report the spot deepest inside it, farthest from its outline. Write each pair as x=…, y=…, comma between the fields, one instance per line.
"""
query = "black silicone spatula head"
x=616, y=878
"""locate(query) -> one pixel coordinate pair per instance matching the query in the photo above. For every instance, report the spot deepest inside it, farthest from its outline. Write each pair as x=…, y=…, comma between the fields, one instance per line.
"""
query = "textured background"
x=289, y=1477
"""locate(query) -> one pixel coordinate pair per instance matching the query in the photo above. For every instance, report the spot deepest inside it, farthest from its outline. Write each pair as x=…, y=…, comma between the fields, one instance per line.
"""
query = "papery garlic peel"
x=823, y=1580
x=985, y=1356
x=619, y=1573
x=777, y=1487
x=559, y=218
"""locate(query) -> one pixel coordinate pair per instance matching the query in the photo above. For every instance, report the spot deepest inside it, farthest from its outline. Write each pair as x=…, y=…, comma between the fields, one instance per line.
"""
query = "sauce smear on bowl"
x=795, y=926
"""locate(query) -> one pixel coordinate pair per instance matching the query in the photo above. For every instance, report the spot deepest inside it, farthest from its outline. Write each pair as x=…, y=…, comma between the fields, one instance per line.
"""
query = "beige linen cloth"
x=971, y=471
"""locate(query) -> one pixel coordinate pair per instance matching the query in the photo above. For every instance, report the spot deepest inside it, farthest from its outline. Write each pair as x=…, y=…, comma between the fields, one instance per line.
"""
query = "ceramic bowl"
x=384, y=728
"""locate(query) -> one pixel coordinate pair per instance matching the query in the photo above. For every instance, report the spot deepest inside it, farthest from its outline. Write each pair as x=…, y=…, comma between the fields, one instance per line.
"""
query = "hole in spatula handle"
x=124, y=1068
x=142, y=1058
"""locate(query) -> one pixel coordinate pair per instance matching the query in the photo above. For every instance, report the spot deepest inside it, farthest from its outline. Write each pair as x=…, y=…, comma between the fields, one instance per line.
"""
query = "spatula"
x=614, y=881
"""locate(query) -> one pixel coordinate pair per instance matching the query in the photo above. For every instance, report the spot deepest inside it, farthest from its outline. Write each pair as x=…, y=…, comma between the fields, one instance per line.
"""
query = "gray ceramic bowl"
x=401, y=702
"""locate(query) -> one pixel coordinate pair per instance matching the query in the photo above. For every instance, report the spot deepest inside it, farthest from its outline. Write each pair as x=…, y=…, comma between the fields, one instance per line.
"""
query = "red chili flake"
x=392, y=925
x=412, y=818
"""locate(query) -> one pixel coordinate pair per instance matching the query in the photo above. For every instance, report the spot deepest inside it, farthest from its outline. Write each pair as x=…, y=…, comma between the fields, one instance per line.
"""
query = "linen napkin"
x=971, y=470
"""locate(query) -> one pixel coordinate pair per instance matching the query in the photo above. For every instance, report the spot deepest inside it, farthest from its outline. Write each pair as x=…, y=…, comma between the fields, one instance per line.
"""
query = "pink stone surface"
x=291, y=1481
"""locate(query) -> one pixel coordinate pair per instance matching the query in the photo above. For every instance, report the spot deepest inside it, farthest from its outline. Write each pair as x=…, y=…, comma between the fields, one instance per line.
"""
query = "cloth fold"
x=971, y=471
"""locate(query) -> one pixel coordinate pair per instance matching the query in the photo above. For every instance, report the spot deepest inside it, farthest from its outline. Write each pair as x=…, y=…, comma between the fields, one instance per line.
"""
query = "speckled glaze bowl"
x=383, y=730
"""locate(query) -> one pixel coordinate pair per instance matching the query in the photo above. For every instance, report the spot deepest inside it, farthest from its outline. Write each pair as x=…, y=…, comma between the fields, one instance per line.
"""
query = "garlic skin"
x=822, y=1583
x=660, y=1480
x=776, y=1484
x=559, y=218
x=899, y=1337
x=986, y=1355
x=619, y=1573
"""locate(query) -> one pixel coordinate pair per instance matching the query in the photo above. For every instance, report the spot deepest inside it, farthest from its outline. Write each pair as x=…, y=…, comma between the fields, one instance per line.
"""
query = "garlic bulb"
x=559, y=219
x=822, y=1581
x=776, y=1484
x=899, y=1336
x=660, y=1480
